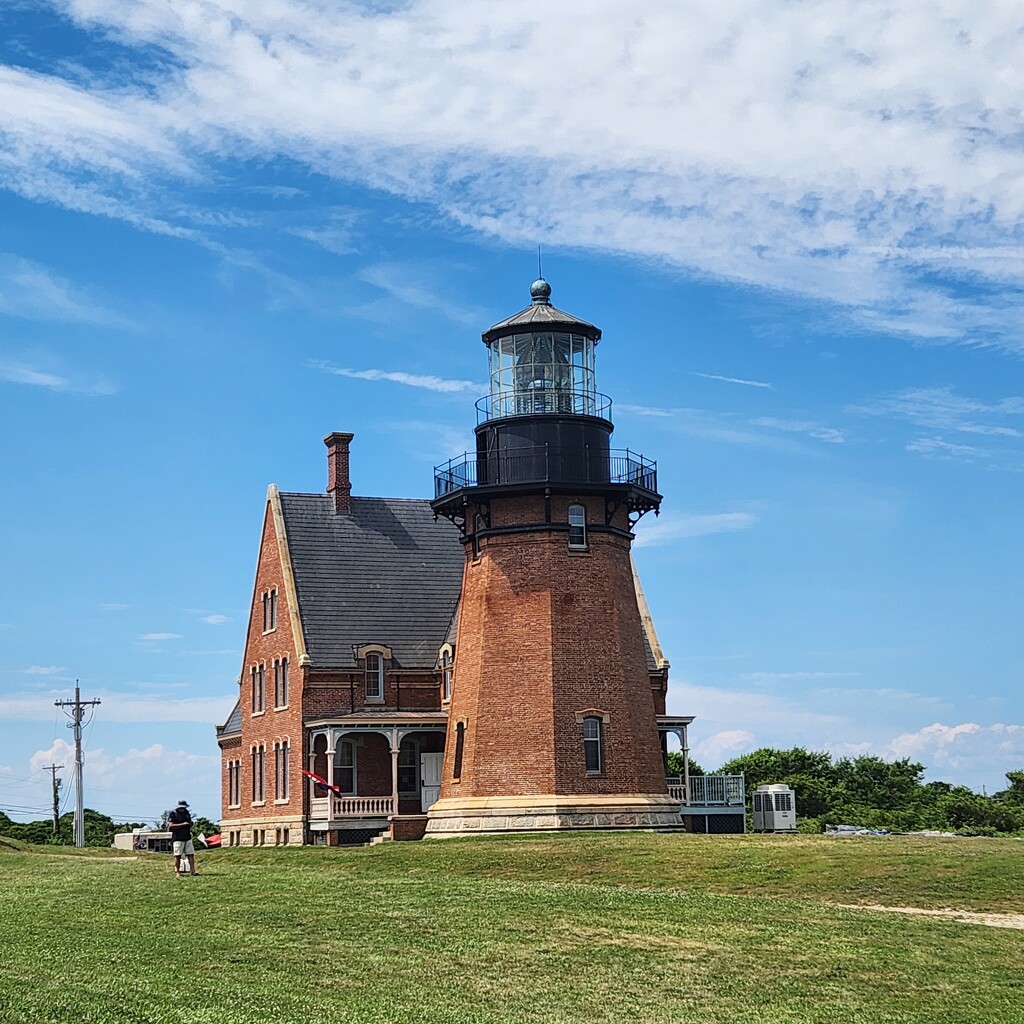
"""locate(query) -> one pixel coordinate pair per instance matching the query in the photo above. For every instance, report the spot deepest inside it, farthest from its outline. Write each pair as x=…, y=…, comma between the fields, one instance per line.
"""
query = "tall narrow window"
x=446, y=675
x=234, y=783
x=255, y=692
x=408, y=766
x=345, y=766
x=270, y=610
x=592, y=753
x=281, y=770
x=577, y=527
x=280, y=683
x=374, y=677
x=460, y=749
x=260, y=701
x=259, y=763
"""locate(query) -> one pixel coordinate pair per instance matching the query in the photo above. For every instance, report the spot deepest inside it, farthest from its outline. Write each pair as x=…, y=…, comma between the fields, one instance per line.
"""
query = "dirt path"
x=965, y=916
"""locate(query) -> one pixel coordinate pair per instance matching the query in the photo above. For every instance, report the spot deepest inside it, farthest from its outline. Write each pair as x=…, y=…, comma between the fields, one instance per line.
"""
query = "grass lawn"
x=601, y=927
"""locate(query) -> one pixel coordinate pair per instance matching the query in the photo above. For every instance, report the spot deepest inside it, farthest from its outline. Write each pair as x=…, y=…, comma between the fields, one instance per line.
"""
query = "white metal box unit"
x=774, y=809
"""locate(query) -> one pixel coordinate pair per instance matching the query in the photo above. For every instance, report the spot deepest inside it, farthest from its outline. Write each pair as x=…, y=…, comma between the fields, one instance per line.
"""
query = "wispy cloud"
x=937, y=448
x=738, y=144
x=412, y=380
x=667, y=529
x=32, y=291
x=154, y=637
x=733, y=380
x=44, y=670
x=815, y=431
x=215, y=620
x=778, y=677
x=13, y=372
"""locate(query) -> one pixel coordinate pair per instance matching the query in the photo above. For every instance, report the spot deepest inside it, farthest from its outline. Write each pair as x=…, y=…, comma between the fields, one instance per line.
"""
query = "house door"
x=430, y=778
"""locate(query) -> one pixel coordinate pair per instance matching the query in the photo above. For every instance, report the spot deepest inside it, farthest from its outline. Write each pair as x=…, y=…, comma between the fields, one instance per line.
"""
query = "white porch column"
x=331, y=754
x=394, y=770
x=686, y=766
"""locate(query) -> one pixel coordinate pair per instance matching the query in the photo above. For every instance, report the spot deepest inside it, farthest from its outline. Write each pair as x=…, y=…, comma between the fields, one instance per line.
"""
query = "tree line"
x=875, y=793
x=100, y=829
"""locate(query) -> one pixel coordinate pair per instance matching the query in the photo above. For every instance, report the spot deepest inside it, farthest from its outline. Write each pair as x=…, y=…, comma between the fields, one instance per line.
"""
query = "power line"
x=76, y=713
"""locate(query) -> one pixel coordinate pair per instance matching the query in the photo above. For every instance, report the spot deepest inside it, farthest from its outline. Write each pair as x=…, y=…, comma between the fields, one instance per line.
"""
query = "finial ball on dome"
x=540, y=290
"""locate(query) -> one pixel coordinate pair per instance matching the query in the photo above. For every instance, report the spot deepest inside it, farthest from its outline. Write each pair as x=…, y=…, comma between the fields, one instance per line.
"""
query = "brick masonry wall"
x=273, y=725
x=545, y=633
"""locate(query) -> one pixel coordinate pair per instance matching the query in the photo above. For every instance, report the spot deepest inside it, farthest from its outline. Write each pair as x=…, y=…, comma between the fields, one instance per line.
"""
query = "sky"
x=229, y=227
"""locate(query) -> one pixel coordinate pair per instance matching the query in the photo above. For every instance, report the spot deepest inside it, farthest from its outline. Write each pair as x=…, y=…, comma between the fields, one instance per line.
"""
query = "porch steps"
x=384, y=836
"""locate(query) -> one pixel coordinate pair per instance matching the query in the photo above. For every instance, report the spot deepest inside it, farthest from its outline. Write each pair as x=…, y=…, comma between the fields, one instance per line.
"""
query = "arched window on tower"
x=593, y=754
x=577, y=528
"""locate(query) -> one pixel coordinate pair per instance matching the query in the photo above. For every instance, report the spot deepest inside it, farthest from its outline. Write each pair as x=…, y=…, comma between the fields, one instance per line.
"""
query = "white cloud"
x=805, y=148
x=34, y=292
x=669, y=528
x=813, y=430
x=937, y=448
x=733, y=380
x=964, y=748
x=413, y=380
x=122, y=707
x=44, y=670
x=778, y=677
x=215, y=620
x=17, y=372
x=147, y=637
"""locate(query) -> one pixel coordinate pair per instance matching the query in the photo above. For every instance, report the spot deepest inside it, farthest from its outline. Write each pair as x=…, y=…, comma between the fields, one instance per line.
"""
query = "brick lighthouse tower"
x=551, y=717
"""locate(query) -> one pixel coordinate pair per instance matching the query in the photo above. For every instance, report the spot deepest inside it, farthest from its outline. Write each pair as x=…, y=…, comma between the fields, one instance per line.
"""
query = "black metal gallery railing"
x=545, y=464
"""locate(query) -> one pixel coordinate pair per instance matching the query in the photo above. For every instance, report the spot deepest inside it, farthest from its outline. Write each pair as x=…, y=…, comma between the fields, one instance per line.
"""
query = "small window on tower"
x=577, y=528
x=446, y=675
x=592, y=753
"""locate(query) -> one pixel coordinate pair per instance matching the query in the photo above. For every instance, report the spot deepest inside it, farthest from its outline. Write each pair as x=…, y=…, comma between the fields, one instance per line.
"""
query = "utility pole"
x=52, y=769
x=78, y=707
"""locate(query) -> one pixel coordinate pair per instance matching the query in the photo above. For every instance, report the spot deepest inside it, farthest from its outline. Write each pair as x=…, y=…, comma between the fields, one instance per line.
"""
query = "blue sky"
x=229, y=227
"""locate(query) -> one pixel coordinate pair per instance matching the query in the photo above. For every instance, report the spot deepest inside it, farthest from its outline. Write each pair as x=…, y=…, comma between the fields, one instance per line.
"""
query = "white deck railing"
x=709, y=791
x=321, y=808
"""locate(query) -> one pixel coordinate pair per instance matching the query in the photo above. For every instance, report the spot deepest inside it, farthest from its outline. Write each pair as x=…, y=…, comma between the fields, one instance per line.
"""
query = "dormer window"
x=374, y=674
x=577, y=528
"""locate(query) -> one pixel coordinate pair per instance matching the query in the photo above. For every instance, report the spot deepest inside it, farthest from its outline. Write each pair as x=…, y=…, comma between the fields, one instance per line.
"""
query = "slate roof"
x=233, y=723
x=385, y=572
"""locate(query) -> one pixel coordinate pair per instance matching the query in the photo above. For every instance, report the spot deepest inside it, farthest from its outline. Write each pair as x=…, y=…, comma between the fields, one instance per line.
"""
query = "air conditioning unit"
x=774, y=809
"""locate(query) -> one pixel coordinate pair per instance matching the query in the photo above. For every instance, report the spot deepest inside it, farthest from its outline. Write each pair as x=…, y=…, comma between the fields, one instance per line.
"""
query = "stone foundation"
x=482, y=815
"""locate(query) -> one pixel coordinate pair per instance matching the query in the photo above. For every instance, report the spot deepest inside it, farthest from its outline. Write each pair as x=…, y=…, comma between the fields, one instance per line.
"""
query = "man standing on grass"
x=179, y=821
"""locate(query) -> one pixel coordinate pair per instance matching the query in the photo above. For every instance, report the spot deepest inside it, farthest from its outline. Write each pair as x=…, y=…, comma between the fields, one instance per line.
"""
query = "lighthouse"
x=552, y=705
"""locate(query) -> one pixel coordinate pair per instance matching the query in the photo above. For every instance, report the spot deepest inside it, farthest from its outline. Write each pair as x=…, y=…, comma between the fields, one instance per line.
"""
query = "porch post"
x=686, y=766
x=394, y=770
x=330, y=773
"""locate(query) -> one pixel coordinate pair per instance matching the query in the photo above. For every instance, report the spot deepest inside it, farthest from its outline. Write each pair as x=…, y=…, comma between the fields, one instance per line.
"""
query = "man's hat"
x=183, y=803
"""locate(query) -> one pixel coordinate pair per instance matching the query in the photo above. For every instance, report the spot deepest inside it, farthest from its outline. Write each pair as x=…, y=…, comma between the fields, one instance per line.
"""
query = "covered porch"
x=375, y=766
x=708, y=803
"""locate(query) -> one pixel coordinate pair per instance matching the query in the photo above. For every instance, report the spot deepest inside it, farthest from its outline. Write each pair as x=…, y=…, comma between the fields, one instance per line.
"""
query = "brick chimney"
x=339, y=486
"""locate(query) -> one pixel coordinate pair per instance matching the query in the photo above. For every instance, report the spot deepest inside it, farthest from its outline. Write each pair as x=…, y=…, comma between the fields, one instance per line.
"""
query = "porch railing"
x=351, y=807
x=709, y=791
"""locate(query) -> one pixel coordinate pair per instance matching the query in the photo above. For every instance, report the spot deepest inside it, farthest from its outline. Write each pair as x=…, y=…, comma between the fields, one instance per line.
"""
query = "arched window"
x=446, y=674
x=460, y=747
x=577, y=527
x=374, y=673
x=593, y=755
x=281, y=770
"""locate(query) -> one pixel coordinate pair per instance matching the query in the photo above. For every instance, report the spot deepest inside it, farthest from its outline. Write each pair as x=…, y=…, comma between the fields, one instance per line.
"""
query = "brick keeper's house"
x=480, y=662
